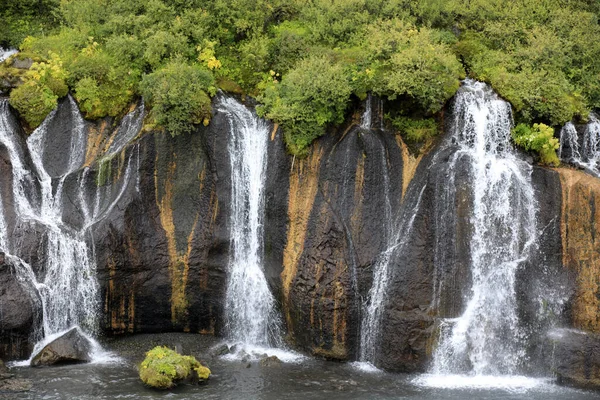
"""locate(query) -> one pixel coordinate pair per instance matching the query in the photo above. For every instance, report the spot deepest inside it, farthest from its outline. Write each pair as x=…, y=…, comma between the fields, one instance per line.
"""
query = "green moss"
x=104, y=171
x=163, y=367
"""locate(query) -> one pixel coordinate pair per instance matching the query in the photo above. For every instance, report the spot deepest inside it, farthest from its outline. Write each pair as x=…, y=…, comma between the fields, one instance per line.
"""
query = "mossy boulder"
x=163, y=368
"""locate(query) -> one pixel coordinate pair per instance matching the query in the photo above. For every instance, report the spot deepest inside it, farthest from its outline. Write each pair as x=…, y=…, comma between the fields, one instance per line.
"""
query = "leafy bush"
x=315, y=93
x=178, y=96
x=163, y=367
x=540, y=138
x=415, y=64
x=34, y=101
x=416, y=130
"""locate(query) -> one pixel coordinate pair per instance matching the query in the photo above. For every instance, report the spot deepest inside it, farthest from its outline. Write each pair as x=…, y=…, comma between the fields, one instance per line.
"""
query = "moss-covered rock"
x=163, y=368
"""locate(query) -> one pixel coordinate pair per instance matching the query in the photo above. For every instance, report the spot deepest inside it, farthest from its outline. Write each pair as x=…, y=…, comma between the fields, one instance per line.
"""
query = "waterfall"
x=5, y=53
x=365, y=119
x=585, y=154
x=487, y=338
x=67, y=282
x=250, y=312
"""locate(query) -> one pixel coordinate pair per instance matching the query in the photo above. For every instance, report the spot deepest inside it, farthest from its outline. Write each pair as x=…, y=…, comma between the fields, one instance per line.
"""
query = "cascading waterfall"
x=250, y=311
x=585, y=154
x=487, y=338
x=68, y=288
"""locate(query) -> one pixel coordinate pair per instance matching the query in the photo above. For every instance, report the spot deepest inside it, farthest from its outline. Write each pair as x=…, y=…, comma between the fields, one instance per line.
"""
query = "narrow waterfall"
x=366, y=118
x=584, y=153
x=67, y=282
x=250, y=312
x=487, y=338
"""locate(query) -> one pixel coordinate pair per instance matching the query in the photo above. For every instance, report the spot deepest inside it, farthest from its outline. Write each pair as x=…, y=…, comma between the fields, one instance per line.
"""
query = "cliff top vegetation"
x=305, y=61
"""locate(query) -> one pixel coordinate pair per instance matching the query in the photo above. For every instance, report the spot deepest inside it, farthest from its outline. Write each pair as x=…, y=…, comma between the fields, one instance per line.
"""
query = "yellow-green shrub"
x=540, y=138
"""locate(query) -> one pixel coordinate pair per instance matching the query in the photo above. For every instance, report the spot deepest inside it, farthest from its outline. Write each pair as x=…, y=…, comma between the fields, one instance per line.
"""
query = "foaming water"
x=365, y=366
x=256, y=353
x=510, y=383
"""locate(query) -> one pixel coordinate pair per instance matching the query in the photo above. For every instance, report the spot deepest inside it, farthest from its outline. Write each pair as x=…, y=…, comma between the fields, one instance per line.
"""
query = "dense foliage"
x=307, y=61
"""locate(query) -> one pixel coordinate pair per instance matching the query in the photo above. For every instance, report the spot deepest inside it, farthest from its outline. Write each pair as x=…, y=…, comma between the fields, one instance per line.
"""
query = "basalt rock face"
x=335, y=201
x=20, y=311
x=162, y=254
x=161, y=241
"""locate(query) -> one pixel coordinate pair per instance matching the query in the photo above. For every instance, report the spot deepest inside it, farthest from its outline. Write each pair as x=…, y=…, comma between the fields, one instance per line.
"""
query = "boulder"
x=163, y=368
x=71, y=347
x=575, y=358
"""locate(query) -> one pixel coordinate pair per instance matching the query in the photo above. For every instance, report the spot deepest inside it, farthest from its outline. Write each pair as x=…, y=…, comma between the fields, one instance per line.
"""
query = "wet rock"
x=220, y=350
x=8, y=382
x=20, y=311
x=575, y=356
x=71, y=347
x=271, y=361
x=24, y=63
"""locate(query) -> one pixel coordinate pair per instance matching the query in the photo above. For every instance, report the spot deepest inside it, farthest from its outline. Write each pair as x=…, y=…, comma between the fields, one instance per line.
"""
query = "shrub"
x=178, y=96
x=416, y=130
x=312, y=95
x=419, y=67
x=540, y=138
x=163, y=367
x=34, y=101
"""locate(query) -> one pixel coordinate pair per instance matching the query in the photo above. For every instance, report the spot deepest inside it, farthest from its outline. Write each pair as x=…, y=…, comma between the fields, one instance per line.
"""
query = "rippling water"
x=305, y=379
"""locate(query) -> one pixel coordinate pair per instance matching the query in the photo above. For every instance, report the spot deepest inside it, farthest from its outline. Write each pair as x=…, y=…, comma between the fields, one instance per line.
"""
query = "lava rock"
x=72, y=347
x=20, y=311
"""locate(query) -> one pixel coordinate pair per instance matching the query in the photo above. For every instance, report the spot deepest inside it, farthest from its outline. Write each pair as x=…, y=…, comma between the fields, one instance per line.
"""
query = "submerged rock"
x=71, y=347
x=8, y=383
x=163, y=368
x=271, y=361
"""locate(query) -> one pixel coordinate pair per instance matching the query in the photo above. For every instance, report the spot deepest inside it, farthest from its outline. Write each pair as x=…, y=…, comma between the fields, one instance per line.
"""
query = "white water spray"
x=487, y=338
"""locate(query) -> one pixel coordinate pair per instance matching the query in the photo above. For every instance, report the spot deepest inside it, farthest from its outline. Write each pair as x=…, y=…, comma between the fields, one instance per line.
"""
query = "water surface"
x=232, y=379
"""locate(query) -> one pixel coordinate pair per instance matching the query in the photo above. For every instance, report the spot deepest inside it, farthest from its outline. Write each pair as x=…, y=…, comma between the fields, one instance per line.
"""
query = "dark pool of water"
x=308, y=379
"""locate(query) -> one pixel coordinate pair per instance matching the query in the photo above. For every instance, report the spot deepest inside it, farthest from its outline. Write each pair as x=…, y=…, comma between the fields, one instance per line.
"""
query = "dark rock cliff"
x=162, y=246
